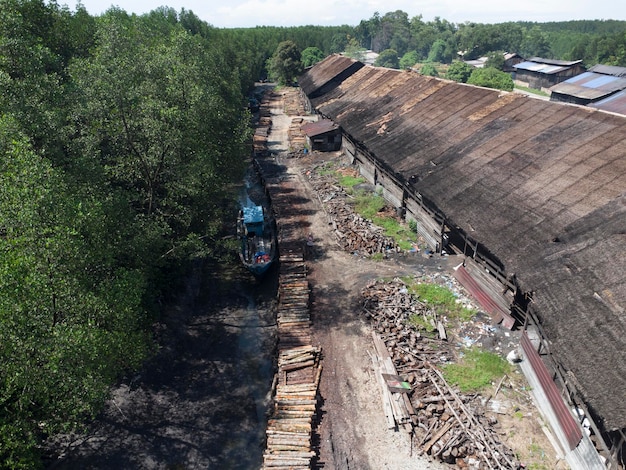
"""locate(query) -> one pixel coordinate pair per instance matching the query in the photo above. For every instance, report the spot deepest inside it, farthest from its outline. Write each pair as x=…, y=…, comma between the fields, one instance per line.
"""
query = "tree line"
x=592, y=41
x=120, y=136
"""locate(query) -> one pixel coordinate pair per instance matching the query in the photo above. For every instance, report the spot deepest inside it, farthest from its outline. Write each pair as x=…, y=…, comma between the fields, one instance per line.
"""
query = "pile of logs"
x=297, y=139
x=353, y=233
x=447, y=425
x=293, y=414
x=293, y=102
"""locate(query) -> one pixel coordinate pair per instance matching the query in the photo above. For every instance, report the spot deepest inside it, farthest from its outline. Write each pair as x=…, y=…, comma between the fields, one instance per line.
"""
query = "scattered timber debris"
x=352, y=232
x=444, y=423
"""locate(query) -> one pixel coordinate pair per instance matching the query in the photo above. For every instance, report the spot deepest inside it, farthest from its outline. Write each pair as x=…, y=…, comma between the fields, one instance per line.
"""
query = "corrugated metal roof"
x=572, y=431
x=609, y=70
x=565, y=63
x=521, y=173
x=319, y=127
x=615, y=103
x=589, y=85
x=540, y=68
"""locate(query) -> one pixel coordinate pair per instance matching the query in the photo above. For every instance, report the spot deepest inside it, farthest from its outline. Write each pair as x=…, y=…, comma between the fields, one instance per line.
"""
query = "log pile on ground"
x=293, y=414
x=352, y=232
x=293, y=102
x=297, y=139
x=447, y=425
x=263, y=126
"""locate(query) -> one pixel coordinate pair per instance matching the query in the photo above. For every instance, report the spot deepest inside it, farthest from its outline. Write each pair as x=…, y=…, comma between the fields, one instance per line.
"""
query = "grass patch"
x=368, y=205
x=441, y=298
x=477, y=370
x=423, y=323
x=349, y=181
x=531, y=90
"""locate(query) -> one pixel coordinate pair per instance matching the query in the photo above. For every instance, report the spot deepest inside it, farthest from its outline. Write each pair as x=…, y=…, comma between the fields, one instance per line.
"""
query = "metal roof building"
x=538, y=186
x=589, y=87
x=540, y=73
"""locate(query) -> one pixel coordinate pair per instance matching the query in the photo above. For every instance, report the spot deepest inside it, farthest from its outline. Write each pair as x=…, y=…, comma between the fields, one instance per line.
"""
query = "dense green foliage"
x=119, y=135
x=311, y=56
x=285, y=65
x=459, y=71
x=598, y=41
x=388, y=58
x=492, y=78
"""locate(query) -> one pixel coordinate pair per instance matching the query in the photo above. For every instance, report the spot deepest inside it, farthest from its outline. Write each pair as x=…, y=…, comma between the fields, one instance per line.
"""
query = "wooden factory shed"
x=541, y=74
x=323, y=135
x=533, y=191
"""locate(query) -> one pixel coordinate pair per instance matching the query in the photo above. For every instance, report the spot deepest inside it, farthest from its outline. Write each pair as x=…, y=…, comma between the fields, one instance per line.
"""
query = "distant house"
x=323, y=135
x=510, y=60
x=598, y=84
x=542, y=74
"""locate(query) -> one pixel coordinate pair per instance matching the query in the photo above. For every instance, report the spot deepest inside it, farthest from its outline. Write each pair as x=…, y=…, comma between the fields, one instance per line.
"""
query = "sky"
x=250, y=13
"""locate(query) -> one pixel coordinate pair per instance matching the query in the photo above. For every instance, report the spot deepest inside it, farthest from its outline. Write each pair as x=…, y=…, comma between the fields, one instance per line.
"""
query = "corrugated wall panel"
x=572, y=430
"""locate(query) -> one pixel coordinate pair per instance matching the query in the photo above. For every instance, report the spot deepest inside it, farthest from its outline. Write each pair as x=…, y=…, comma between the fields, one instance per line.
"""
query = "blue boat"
x=257, y=231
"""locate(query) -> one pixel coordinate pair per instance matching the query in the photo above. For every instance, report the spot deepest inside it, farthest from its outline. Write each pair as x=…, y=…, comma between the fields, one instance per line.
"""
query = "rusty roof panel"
x=615, y=103
x=521, y=172
x=323, y=126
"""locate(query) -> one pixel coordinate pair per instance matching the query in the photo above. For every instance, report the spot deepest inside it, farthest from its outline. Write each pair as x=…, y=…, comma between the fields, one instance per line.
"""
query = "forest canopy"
x=120, y=137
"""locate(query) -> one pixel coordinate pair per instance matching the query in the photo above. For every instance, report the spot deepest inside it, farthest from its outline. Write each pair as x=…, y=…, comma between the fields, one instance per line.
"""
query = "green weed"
x=476, y=370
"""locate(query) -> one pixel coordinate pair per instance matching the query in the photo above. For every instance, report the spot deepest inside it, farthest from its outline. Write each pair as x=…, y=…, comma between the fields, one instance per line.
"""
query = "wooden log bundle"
x=293, y=414
x=447, y=425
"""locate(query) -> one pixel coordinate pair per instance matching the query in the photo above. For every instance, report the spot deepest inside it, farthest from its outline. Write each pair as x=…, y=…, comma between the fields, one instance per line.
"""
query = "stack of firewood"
x=448, y=425
x=297, y=139
x=290, y=426
x=352, y=232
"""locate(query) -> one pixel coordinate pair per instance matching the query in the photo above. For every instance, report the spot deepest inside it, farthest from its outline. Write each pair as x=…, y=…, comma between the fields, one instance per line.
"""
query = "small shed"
x=323, y=135
x=590, y=87
x=542, y=74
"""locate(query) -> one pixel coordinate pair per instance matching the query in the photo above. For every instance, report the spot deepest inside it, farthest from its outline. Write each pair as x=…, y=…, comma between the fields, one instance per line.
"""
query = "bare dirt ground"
x=353, y=432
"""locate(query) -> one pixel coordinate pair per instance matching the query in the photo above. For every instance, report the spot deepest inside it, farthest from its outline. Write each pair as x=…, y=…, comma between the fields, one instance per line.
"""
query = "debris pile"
x=352, y=232
x=446, y=424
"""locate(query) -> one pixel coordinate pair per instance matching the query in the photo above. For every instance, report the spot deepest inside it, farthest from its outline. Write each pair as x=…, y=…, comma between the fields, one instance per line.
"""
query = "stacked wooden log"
x=293, y=102
x=292, y=418
x=448, y=425
x=293, y=316
x=297, y=139
x=263, y=126
x=352, y=232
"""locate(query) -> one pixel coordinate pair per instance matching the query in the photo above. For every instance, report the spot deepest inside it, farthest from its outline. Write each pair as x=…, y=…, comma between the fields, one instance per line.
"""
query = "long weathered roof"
x=540, y=184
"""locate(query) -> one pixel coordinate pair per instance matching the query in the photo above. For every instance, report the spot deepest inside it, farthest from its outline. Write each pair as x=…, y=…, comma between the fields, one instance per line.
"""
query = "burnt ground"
x=201, y=402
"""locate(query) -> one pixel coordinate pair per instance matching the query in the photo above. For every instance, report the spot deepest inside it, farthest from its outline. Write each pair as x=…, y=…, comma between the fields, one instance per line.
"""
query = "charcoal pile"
x=446, y=424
